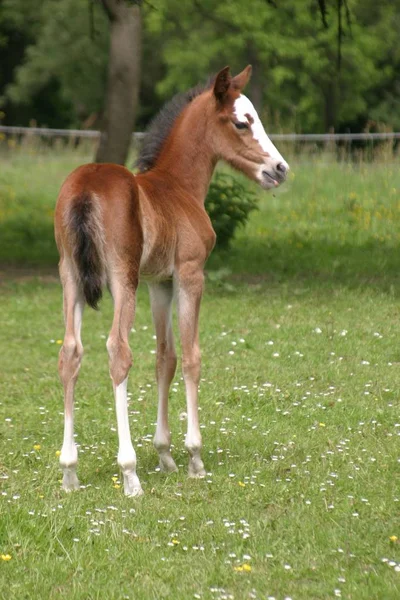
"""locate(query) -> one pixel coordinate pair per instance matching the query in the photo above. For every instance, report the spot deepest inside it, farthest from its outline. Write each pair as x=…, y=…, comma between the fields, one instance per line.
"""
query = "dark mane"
x=160, y=127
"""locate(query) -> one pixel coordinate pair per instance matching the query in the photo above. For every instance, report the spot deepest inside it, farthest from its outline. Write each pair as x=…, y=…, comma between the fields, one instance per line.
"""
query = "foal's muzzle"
x=281, y=170
x=276, y=174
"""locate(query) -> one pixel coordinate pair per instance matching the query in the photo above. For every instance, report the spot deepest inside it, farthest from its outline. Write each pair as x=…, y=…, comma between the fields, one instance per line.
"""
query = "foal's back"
x=143, y=220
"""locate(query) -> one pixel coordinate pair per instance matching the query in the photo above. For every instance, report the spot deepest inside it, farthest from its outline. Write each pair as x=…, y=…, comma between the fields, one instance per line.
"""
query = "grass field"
x=299, y=399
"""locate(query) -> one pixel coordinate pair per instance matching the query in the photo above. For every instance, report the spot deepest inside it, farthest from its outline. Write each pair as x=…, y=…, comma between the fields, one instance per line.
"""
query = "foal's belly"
x=157, y=261
x=160, y=237
x=156, y=271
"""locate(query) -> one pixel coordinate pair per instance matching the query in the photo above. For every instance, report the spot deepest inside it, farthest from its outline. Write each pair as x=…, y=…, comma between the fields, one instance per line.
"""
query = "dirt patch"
x=43, y=274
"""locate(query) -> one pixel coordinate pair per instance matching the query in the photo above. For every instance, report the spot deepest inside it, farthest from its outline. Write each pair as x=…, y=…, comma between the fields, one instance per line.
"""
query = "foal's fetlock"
x=70, y=481
x=196, y=465
x=132, y=486
x=167, y=463
x=68, y=462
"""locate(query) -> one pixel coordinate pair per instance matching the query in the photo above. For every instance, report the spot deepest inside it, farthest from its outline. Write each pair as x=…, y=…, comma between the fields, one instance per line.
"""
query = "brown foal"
x=112, y=227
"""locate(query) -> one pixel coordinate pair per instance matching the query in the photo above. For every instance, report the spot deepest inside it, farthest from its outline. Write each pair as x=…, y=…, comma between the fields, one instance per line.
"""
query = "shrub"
x=228, y=204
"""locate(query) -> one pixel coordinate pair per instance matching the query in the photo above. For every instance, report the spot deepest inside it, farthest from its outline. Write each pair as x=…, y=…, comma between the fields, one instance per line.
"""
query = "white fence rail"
x=290, y=137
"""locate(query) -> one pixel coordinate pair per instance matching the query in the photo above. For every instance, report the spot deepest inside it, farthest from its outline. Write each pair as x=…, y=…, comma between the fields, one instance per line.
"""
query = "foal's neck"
x=187, y=160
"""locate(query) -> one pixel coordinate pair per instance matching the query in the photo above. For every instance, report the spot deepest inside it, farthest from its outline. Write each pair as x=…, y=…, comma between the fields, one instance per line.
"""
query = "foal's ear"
x=240, y=81
x=222, y=83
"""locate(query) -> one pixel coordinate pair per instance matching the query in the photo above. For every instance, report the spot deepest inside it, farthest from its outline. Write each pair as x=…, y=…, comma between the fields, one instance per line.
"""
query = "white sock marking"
x=126, y=452
x=69, y=452
x=69, y=456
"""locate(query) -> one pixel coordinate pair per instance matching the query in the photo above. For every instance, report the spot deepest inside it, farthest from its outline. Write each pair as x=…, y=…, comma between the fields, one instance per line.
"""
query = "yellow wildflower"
x=59, y=342
x=393, y=538
x=37, y=447
x=242, y=484
x=116, y=486
x=5, y=557
x=175, y=542
x=114, y=478
x=244, y=567
x=322, y=425
x=58, y=452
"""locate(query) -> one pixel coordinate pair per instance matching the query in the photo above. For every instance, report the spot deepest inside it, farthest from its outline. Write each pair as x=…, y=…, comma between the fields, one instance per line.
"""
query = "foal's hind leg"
x=120, y=358
x=161, y=300
x=68, y=365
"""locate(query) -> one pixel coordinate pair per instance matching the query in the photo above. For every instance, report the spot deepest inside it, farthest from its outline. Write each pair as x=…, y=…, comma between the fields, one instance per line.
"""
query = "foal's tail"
x=85, y=228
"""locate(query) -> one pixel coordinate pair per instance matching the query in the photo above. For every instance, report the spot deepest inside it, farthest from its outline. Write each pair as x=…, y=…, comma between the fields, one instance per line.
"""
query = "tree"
x=63, y=63
x=57, y=56
x=298, y=83
x=383, y=97
x=123, y=80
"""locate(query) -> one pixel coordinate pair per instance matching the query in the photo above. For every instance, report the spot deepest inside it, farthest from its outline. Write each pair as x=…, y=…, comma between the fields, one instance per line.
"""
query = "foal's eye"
x=241, y=125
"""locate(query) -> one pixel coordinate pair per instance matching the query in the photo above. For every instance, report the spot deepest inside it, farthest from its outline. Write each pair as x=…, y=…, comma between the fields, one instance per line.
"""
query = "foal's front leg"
x=120, y=359
x=190, y=289
x=161, y=295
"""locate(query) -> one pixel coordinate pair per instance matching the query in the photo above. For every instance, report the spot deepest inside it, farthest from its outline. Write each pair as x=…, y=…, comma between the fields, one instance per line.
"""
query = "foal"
x=112, y=227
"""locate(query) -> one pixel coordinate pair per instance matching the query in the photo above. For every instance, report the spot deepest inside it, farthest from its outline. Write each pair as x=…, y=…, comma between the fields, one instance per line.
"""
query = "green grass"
x=29, y=185
x=299, y=409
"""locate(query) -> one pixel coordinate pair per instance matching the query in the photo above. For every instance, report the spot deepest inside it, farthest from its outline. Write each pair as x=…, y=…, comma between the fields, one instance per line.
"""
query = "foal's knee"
x=120, y=359
x=70, y=359
x=191, y=365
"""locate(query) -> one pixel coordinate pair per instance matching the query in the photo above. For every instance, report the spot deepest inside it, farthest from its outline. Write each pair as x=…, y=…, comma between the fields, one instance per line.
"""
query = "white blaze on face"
x=243, y=107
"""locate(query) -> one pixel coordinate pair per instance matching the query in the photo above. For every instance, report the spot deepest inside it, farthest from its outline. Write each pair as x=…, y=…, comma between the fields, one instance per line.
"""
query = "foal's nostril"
x=281, y=168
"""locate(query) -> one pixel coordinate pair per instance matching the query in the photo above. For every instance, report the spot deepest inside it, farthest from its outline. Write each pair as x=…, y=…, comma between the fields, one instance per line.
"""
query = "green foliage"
x=229, y=203
x=296, y=83
x=56, y=59
x=65, y=50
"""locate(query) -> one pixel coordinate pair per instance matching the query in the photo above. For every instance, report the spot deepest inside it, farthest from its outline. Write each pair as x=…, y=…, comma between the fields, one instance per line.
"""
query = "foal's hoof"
x=70, y=481
x=134, y=493
x=167, y=464
x=196, y=468
x=132, y=487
